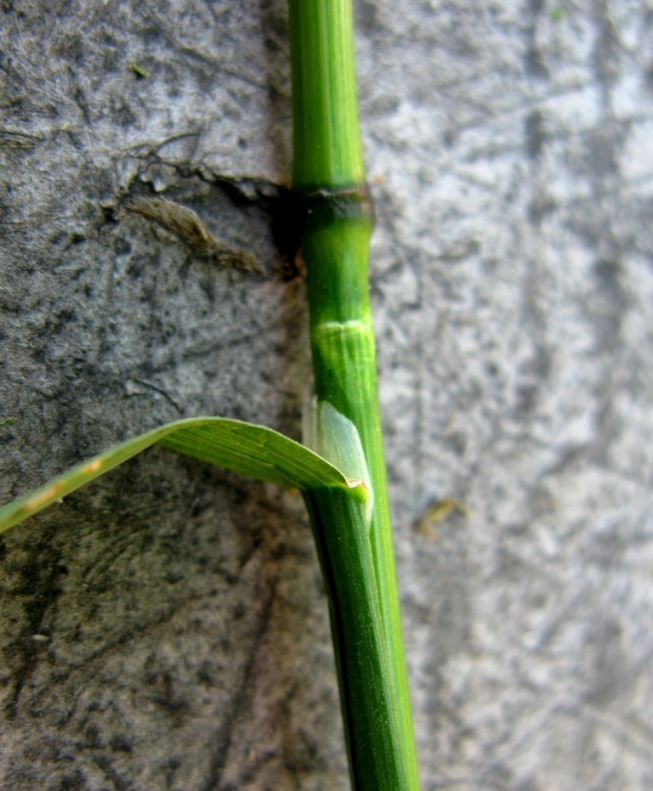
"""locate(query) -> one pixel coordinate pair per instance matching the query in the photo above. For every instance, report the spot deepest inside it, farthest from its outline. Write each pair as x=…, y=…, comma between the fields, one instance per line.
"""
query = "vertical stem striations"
x=337, y=223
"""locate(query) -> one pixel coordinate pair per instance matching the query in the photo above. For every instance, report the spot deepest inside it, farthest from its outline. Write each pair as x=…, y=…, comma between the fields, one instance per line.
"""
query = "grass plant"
x=343, y=477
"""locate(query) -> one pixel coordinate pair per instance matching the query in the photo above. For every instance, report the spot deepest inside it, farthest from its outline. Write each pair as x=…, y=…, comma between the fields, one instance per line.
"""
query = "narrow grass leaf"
x=255, y=451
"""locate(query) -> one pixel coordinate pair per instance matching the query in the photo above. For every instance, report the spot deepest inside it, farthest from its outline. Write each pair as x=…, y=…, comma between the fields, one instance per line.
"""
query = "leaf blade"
x=245, y=448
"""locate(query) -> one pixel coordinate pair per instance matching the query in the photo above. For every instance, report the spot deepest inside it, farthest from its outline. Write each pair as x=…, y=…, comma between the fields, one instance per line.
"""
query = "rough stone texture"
x=166, y=628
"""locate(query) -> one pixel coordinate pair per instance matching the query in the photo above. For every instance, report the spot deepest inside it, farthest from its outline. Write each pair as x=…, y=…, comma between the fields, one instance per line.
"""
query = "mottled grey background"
x=166, y=627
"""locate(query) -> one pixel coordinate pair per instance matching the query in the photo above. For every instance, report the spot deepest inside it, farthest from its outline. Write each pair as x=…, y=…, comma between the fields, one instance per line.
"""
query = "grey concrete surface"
x=166, y=628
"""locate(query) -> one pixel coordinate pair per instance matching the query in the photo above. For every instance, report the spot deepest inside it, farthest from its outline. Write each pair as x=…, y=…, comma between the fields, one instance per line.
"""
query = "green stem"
x=329, y=178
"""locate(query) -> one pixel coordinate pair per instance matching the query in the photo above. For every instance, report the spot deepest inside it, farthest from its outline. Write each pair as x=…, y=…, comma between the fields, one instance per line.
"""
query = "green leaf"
x=256, y=451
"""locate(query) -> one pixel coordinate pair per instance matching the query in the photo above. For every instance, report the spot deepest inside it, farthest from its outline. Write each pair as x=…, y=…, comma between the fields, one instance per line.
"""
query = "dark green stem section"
x=370, y=716
x=337, y=223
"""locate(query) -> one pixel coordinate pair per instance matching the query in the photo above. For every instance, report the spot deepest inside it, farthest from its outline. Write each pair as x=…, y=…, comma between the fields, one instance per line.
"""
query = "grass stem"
x=337, y=223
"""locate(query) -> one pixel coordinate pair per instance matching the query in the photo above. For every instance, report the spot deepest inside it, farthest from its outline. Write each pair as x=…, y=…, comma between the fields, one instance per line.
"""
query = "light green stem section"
x=327, y=142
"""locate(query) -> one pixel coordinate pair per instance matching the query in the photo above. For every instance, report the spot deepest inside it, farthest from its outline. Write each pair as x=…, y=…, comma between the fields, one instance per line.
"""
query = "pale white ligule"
x=334, y=437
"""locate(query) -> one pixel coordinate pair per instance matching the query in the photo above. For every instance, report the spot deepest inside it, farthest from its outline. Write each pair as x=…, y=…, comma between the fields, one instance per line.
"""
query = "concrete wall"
x=166, y=628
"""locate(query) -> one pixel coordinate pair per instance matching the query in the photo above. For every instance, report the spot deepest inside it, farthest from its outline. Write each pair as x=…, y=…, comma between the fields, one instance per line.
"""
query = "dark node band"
x=322, y=206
